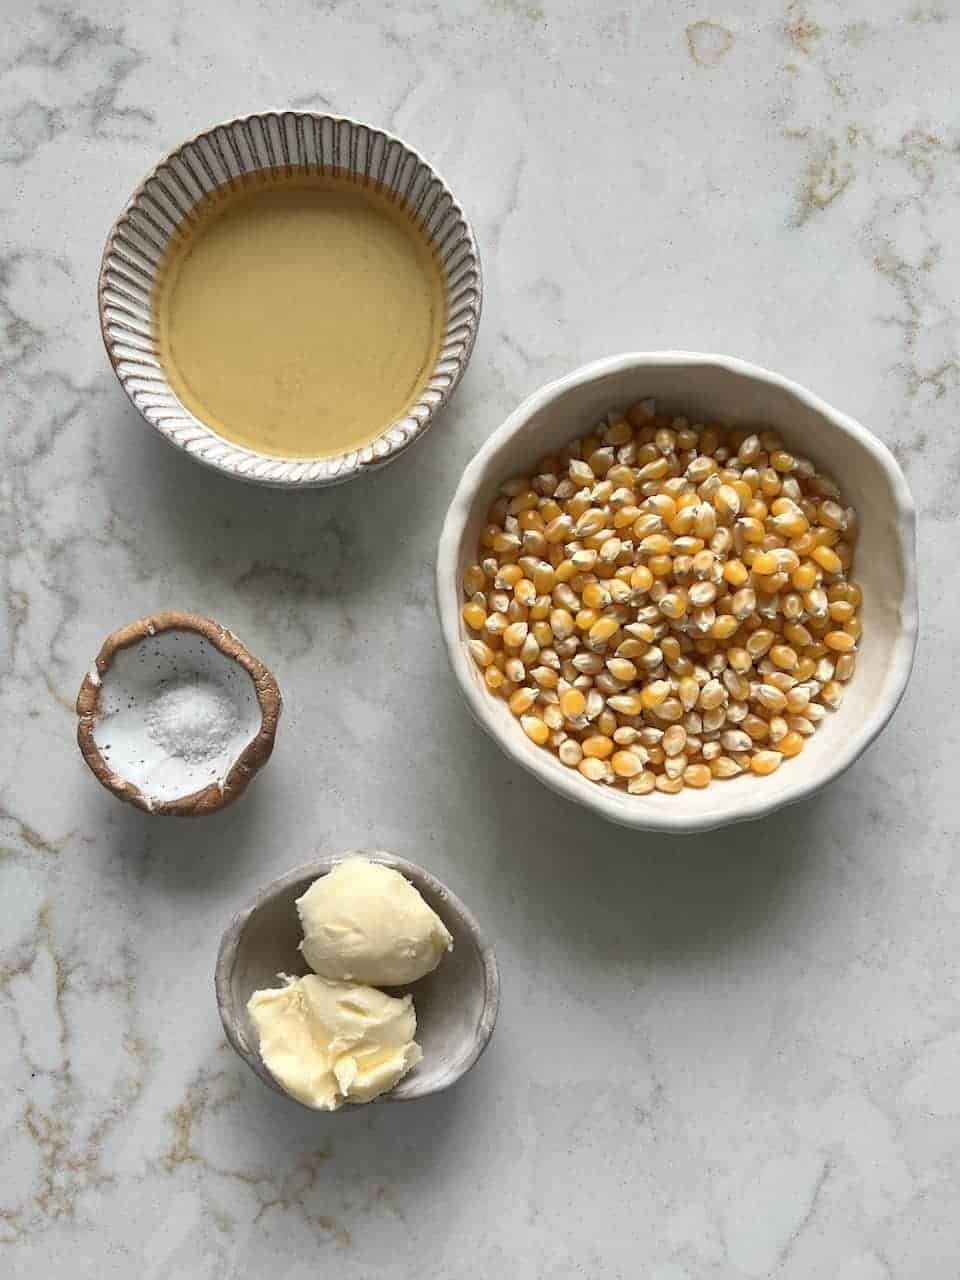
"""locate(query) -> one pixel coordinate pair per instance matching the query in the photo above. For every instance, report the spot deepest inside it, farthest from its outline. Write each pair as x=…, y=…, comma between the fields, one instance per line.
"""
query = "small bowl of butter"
x=355, y=979
x=291, y=297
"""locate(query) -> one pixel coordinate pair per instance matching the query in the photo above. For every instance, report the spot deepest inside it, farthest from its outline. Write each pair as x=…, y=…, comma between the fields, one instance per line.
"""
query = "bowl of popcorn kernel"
x=680, y=589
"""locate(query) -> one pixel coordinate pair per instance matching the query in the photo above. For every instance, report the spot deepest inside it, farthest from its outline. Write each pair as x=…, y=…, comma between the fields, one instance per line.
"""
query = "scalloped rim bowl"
x=706, y=387
x=273, y=140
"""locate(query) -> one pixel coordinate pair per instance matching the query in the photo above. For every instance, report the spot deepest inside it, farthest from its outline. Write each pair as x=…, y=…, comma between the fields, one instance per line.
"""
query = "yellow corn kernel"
x=688, y=691
x=770, y=698
x=848, y=591
x=756, y=509
x=697, y=775
x=561, y=623
x=840, y=610
x=597, y=747
x=712, y=695
x=632, y=647
x=704, y=521
x=759, y=641
x=724, y=627
x=494, y=678
x=521, y=701
x=769, y=482
x=544, y=578
x=474, y=580
x=791, y=744
x=845, y=666
x=765, y=762
x=756, y=727
x=626, y=516
x=660, y=566
x=602, y=630
x=525, y=501
x=765, y=563
x=545, y=677
x=628, y=704
x=832, y=694
x=854, y=628
x=655, y=694
x=827, y=559
x=481, y=653
x=655, y=544
x=524, y=592
x=674, y=604
x=607, y=722
x=474, y=615
x=626, y=764
x=739, y=659
x=782, y=656
x=724, y=767
x=726, y=500
x=751, y=530
x=796, y=634
x=532, y=522
x=515, y=634
x=641, y=579
x=670, y=647
x=622, y=669
x=782, y=461
x=671, y=786
x=535, y=729
x=572, y=703
x=595, y=595
x=804, y=578
x=839, y=641
x=542, y=632
x=585, y=619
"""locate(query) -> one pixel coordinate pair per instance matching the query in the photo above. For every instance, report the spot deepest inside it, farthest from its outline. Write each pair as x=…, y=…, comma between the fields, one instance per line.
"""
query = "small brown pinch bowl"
x=456, y=1004
x=138, y=710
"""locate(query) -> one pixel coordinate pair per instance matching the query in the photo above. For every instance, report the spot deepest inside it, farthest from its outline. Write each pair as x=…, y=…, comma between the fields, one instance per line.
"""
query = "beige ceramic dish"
x=456, y=1004
x=169, y=773
x=282, y=141
x=719, y=388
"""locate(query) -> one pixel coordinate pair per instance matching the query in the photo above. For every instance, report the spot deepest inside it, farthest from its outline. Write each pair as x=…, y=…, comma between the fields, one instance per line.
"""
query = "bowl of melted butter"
x=291, y=298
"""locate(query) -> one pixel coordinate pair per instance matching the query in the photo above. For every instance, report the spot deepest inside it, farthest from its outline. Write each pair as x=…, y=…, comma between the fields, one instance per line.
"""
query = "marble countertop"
x=729, y=1056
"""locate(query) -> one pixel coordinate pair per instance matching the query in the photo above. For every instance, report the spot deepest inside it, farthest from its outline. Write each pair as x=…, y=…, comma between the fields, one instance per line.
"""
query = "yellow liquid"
x=299, y=315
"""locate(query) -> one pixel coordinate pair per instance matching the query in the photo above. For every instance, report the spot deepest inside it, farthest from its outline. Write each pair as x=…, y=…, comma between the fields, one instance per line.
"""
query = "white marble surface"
x=731, y=1056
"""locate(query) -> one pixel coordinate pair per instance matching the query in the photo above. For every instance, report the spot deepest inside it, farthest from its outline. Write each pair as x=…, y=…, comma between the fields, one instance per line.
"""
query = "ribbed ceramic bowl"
x=706, y=387
x=282, y=141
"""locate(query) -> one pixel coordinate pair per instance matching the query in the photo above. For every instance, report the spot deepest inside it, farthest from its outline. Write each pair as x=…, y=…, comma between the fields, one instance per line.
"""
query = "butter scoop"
x=329, y=1042
x=367, y=923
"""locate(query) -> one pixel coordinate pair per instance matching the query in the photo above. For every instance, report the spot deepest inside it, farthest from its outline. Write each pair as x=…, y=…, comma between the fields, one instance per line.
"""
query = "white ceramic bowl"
x=706, y=387
x=217, y=157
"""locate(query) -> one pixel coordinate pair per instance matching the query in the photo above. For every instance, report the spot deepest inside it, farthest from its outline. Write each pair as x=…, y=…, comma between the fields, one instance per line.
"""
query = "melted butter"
x=299, y=315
